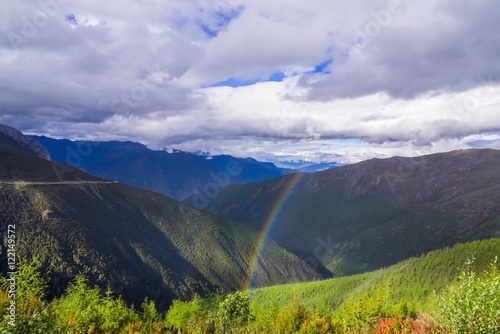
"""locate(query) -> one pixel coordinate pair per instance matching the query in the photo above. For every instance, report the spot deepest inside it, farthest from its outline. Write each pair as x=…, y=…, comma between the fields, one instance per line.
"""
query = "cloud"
x=421, y=48
x=323, y=80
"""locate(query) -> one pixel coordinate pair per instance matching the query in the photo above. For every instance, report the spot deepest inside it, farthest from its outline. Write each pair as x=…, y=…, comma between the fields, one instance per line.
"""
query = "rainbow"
x=268, y=223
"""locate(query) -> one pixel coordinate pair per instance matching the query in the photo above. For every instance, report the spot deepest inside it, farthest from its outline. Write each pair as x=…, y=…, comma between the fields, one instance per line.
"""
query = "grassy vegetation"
x=406, y=295
x=439, y=292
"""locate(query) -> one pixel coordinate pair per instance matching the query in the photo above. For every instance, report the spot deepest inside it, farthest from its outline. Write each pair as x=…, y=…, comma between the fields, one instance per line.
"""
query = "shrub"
x=316, y=325
x=150, y=317
x=181, y=314
x=85, y=310
x=422, y=324
x=292, y=319
x=365, y=309
x=235, y=310
x=33, y=315
x=472, y=303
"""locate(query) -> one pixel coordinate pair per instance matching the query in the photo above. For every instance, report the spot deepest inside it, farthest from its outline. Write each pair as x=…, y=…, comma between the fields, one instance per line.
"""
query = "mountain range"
x=374, y=213
x=286, y=227
x=176, y=174
x=137, y=242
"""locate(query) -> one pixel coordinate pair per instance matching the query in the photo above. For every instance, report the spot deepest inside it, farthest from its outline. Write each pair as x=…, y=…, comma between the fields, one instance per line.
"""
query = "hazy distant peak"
x=26, y=142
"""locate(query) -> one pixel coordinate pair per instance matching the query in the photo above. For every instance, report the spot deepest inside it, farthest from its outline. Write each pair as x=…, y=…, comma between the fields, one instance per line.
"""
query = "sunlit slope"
x=375, y=213
x=409, y=283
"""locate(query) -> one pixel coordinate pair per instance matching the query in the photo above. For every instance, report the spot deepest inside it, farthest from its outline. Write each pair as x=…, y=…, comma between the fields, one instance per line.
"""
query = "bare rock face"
x=23, y=141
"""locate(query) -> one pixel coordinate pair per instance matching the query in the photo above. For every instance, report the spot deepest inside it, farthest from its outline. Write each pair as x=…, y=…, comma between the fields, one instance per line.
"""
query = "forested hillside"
x=375, y=213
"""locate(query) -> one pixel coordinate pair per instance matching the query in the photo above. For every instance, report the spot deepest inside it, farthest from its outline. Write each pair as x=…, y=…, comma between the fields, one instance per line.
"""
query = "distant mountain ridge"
x=176, y=174
x=309, y=167
x=375, y=213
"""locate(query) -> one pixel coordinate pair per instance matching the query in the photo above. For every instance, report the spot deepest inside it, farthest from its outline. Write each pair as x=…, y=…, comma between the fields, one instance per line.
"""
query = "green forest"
x=455, y=290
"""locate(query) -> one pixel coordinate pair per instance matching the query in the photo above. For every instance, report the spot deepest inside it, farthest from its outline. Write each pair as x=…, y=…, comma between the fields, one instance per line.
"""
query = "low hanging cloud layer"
x=287, y=80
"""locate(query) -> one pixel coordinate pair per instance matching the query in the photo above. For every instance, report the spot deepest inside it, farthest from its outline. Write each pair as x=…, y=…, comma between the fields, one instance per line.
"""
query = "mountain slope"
x=10, y=137
x=17, y=165
x=410, y=282
x=177, y=174
x=137, y=242
x=378, y=212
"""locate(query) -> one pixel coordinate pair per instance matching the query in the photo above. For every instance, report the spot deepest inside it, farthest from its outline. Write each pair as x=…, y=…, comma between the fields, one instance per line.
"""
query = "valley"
x=378, y=236
x=375, y=213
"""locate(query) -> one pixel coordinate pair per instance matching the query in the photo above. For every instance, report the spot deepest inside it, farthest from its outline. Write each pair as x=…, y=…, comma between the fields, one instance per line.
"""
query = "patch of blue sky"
x=71, y=18
x=220, y=20
x=322, y=68
x=277, y=76
x=206, y=29
x=233, y=82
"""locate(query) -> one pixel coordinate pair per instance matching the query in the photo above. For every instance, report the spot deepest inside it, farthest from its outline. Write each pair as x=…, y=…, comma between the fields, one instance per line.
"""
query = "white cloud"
x=423, y=79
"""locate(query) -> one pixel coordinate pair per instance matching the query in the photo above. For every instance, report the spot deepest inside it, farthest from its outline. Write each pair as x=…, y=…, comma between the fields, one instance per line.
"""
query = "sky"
x=279, y=80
